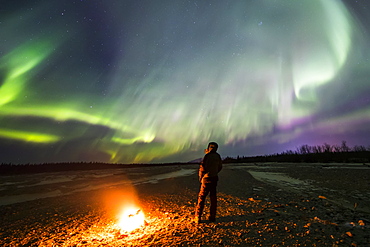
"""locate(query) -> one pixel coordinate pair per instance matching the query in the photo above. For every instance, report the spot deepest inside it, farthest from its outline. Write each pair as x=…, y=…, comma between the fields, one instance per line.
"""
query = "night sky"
x=156, y=80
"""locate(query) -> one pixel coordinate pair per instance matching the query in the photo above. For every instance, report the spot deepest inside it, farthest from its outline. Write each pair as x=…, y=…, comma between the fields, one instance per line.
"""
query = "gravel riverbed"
x=258, y=205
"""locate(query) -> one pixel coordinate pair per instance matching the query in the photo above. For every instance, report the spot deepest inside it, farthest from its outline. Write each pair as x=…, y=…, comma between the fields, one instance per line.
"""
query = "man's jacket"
x=211, y=165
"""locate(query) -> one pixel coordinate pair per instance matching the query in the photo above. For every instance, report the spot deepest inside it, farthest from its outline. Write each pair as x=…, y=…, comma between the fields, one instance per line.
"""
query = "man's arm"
x=201, y=173
x=220, y=164
x=202, y=169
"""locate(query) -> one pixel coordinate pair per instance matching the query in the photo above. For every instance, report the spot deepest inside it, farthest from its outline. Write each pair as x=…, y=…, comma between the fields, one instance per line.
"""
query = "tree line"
x=325, y=153
x=9, y=169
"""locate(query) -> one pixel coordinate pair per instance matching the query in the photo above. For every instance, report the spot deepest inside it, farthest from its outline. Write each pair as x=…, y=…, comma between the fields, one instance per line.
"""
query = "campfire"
x=131, y=218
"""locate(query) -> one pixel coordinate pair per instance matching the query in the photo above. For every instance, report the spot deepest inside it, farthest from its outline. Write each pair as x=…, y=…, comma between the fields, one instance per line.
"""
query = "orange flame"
x=131, y=218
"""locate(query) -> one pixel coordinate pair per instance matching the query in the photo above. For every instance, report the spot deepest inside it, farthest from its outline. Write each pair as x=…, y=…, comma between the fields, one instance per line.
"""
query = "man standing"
x=209, y=168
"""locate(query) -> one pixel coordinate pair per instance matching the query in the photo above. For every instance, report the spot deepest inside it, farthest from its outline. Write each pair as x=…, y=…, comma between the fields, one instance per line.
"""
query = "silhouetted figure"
x=209, y=168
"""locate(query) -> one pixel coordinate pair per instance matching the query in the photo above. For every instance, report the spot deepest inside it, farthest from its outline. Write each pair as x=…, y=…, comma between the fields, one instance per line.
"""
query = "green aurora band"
x=224, y=77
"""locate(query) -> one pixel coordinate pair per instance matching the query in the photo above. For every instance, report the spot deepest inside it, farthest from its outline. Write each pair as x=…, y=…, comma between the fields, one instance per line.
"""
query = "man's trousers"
x=208, y=186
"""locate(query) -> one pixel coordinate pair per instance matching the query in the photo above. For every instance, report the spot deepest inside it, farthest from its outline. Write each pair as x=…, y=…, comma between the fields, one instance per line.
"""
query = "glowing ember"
x=131, y=219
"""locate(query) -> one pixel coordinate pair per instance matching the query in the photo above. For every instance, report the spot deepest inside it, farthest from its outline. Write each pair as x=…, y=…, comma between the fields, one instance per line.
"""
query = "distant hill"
x=195, y=161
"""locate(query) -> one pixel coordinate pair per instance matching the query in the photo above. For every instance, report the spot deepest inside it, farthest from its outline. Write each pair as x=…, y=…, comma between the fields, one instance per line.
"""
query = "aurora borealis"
x=155, y=81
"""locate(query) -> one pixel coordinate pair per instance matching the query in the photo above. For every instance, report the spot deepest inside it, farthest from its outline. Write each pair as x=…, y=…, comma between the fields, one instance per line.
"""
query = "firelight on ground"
x=131, y=218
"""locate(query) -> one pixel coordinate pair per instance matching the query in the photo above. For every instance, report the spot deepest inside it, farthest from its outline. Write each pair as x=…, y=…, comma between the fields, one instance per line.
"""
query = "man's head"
x=212, y=147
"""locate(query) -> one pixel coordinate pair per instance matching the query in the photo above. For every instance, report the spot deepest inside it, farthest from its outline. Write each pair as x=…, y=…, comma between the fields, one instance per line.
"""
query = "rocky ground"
x=314, y=206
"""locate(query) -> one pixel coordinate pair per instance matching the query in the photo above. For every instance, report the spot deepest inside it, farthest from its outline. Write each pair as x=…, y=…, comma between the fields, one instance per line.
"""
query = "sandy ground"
x=258, y=205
